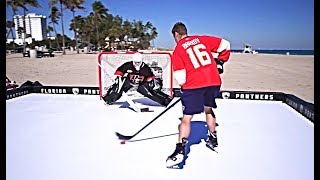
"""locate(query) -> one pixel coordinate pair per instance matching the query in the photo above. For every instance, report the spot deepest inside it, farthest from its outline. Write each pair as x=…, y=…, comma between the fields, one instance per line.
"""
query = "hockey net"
x=159, y=62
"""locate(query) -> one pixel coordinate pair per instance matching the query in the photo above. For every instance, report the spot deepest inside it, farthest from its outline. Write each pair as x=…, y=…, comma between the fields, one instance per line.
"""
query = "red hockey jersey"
x=193, y=63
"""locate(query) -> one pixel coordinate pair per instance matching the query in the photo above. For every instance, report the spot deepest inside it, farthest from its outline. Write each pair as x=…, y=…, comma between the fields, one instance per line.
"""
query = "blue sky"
x=265, y=24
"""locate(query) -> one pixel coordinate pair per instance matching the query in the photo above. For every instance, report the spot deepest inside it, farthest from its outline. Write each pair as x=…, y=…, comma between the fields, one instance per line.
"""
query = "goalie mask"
x=137, y=61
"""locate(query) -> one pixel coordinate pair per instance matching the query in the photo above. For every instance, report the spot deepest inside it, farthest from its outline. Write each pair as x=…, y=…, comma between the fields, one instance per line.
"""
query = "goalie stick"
x=124, y=137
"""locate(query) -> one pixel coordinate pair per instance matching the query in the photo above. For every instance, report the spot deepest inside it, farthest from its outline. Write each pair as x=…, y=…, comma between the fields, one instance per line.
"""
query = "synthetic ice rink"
x=72, y=137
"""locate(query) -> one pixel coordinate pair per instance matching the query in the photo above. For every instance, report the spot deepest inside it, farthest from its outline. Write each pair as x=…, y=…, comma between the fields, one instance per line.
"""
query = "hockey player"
x=136, y=73
x=197, y=72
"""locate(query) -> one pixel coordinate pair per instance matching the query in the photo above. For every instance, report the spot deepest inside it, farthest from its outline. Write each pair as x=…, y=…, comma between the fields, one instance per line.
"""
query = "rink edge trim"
x=304, y=108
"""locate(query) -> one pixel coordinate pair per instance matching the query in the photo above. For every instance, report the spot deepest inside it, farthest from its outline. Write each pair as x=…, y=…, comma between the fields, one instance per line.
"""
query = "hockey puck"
x=144, y=109
x=123, y=142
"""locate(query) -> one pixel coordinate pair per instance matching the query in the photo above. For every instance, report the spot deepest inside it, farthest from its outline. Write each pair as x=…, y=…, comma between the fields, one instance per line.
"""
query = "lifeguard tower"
x=248, y=49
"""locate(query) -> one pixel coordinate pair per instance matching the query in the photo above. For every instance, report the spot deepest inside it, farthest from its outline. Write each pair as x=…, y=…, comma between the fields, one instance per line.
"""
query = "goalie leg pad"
x=111, y=98
x=115, y=91
x=155, y=95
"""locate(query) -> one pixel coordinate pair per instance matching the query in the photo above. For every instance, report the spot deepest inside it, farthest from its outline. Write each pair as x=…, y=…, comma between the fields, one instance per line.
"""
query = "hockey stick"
x=124, y=137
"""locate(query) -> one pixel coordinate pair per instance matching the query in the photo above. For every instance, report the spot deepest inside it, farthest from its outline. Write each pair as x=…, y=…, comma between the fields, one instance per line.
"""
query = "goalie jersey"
x=136, y=76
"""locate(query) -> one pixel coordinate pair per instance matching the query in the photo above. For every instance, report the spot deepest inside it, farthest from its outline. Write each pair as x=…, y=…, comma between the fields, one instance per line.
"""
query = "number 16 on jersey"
x=198, y=52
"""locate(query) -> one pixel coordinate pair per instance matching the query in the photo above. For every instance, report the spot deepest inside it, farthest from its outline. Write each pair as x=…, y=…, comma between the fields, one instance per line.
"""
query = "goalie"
x=137, y=74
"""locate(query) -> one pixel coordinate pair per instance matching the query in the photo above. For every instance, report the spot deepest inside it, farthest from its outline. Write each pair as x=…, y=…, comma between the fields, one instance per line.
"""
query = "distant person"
x=10, y=84
x=136, y=73
x=198, y=74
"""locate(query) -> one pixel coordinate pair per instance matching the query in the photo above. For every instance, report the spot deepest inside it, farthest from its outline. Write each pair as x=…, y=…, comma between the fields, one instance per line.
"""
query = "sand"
x=248, y=72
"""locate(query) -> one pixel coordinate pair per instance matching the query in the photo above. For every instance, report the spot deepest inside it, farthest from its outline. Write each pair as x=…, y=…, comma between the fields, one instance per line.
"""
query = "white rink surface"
x=72, y=137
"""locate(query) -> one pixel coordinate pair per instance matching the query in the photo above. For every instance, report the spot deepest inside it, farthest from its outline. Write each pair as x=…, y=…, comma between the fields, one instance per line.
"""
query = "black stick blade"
x=123, y=137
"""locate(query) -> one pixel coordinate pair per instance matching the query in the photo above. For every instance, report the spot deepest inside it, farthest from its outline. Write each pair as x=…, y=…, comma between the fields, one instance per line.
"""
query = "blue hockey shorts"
x=194, y=100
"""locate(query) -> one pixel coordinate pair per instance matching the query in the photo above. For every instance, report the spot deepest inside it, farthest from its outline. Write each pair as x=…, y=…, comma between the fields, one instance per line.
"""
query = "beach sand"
x=244, y=72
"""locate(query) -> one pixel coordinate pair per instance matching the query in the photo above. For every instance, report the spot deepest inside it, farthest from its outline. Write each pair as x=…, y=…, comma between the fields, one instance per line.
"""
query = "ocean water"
x=291, y=52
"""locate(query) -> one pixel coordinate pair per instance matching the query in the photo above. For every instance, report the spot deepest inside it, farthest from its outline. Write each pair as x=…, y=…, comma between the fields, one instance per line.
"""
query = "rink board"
x=67, y=136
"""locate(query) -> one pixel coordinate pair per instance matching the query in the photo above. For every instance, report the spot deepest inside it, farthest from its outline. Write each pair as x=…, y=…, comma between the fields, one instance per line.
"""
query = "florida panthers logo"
x=75, y=90
x=136, y=79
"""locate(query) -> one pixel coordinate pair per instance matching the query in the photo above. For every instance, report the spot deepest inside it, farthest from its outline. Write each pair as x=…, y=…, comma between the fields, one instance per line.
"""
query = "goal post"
x=159, y=62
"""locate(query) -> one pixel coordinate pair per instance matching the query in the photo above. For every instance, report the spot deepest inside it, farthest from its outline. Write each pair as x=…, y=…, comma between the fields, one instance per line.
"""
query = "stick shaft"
x=123, y=137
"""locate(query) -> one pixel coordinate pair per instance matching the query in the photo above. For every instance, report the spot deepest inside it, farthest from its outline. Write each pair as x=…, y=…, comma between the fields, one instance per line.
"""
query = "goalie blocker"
x=150, y=89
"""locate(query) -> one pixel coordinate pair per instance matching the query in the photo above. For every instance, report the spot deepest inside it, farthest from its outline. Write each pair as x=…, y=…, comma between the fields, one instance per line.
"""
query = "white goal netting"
x=160, y=63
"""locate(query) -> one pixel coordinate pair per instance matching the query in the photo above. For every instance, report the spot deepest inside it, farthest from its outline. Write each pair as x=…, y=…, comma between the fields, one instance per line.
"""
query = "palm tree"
x=127, y=28
x=154, y=34
x=144, y=33
x=20, y=30
x=116, y=29
x=32, y=3
x=99, y=12
x=77, y=25
x=62, y=4
x=137, y=31
x=73, y=5
x=49, y=30
x=138, y=28
x=9, y=25
x=151, y=31
x=86, y=29
x=14, y=4
x=54, y=17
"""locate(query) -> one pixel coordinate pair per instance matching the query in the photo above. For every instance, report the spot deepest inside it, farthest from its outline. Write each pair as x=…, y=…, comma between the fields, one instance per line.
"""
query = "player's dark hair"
x=180, y=28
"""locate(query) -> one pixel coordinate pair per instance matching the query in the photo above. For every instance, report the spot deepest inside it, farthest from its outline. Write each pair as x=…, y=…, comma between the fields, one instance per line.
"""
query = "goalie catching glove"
x=219, y=65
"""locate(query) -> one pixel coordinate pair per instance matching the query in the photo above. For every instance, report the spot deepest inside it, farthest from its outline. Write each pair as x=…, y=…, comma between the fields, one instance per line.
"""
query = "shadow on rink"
x=143, y=101
x=198, y=133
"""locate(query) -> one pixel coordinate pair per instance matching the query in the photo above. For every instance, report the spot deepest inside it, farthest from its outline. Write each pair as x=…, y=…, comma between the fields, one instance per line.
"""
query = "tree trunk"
x=50, y=45
x=24, y=30
x=13, y=38
x=97, y=33
x=30, y=26
x=63, y=41
x=14, y=45
x=75, y=32
x=11, y=31
x=8, y=33
x=56, y=39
